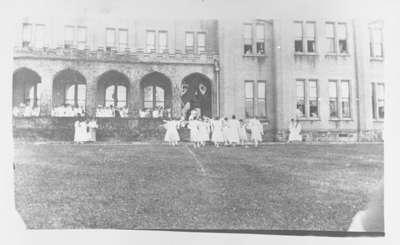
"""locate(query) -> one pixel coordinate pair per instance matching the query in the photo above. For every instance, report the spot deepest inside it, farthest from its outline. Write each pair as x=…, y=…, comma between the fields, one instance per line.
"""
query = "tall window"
x=378, y=100
x=154, y=97
x=189, y=42
x=110, y=39
x=122, y=39
x=150, y=41
x=75, y=94
x=248, y=40
x=163, y=41
x=249, y=98
x=300, y=95
x=298, y=41
x=376, y=42
x=342, y=37
x=330, y=37
x=261, y=103
x=313, y=98
x=26, y=34
x=68, y=36
x=82, y=37
x=31, y=94
x=201, y=42
x=116, y=95
x=345, y=93
x=39, y=36
x=310, y=37
x=260, y=38
x=333, y=99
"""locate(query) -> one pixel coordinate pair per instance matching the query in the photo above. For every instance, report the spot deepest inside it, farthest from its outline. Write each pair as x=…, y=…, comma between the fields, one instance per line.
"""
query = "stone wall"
x=334, y=136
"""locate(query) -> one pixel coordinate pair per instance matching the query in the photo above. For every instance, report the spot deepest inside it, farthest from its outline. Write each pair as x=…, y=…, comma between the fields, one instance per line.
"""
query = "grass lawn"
x=291, y=187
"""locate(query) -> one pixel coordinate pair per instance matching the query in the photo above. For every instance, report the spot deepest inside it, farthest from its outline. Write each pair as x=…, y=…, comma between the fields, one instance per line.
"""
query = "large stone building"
x=327, y=73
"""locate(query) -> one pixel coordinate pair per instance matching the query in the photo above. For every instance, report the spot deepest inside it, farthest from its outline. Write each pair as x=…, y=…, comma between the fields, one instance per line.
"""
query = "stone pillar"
x=176, y=99
x=134, y=97
x=46, y=93
x=91, y=93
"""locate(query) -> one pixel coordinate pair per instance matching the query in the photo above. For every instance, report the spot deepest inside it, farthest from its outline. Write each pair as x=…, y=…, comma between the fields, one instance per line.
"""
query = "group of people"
x=219, y=131
x=111, y=111
x=67, y=110
x=24, y=110
x=158, y=112
x=85, y=130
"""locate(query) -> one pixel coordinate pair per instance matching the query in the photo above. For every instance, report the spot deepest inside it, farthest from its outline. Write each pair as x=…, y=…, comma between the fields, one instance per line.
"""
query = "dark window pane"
x=343, y=46
x=260, y=48
x=333, y=108
x=298, y=46
x=248, y=49
x=345, y=108
x=313, y=108
x=301, y=107
x=311, y=46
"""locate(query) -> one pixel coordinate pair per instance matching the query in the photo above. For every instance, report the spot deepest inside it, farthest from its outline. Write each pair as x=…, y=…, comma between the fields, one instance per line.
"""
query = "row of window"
x=115, y=95
x=307, y=99
x=305, y=38
x=116, y=38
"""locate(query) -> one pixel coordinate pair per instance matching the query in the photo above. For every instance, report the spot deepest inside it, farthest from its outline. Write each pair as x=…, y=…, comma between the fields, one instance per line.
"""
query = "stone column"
x=134, y=99
x=46, y=93
x=91, y=93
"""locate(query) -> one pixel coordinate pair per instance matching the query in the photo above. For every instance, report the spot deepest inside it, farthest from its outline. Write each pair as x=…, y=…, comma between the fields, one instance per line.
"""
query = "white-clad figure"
x=233, y=132
x=80, y=129
x=92, y=125
x=172, y=135
x=217, y=136
x=257, y=131
x=204, y=132
x=225, y=130
x=194, y=132
x=294, y=131
x=242, y=132
x=28, y=111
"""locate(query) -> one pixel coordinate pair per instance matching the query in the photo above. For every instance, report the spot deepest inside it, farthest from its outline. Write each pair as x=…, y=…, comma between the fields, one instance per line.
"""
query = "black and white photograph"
x=270, y=123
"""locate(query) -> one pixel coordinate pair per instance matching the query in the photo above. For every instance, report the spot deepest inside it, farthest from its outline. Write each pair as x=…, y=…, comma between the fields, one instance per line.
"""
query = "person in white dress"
x=204, y=131
x=225, y=131
x=193, y=125
x=242, y=132
x=257, y=131
x=294, y=131
x=172, y=135
x=80, y=134
x=217, y=136
x=92, y=130
x=233, y=132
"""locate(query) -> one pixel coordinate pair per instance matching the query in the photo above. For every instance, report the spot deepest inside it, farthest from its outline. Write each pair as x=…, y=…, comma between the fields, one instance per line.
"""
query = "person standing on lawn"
x=193, y=125
x=92, y=125
x=256, y=129
x=234, y=127
x=217, y=136
x=225, y=131
x=204, y=131
x=80, y=134
x=171, y=135
x=242, y=132
x=294, y=131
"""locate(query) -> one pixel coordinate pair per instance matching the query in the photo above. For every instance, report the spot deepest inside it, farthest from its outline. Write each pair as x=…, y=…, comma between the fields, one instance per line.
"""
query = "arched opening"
x=196, y=93
x=69, y=93
x=112, y=94
x=156, y=95
x=26, y=91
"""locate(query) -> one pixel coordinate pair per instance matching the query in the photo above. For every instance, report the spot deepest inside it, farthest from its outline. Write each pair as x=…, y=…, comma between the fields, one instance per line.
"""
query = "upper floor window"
x=150, y=41
x=304, y=37
x=201, y=42
x=82, y=37
x=110, y=39
x=68, y=36
x=260, y=38
x=163, y=41
x=376, y=41
x=122, y=39
x=26, y=34
x=337, y=37
x=248, y=39
x=39, y=35
x=189, y=42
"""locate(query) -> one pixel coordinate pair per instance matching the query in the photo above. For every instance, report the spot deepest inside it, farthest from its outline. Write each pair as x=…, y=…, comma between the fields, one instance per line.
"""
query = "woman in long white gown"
x=225, y=130
x=204, y=132
x=193, y=125
x=233, y=134
x=171, y=135
x=92, y=125
x=294, y=131
x=217, y=136
x=256, y=129
x=242, y=132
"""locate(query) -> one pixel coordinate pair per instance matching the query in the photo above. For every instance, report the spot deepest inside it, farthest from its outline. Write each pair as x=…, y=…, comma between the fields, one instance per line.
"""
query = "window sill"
x=378, y=120
x=305, y=54
x=340, y=119
x=255, y=55
x=337, y=55
x=309, y=119
x=379, y=59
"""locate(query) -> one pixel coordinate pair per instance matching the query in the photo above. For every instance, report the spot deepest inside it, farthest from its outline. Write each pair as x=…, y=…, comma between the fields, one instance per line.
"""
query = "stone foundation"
x=334, y=136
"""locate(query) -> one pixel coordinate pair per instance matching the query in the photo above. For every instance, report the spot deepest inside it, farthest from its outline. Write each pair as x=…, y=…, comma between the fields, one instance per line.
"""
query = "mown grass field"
x=289, y=187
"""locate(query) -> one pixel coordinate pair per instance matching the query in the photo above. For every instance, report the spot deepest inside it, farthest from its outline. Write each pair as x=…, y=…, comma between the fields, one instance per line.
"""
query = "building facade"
x=327, y=73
